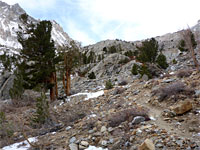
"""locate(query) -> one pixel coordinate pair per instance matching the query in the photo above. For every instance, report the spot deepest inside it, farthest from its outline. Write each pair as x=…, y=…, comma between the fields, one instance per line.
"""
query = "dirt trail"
x=156, y=112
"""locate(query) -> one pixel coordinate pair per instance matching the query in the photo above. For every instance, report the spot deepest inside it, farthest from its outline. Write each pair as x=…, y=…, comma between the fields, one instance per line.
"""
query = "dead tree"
x=191, y=44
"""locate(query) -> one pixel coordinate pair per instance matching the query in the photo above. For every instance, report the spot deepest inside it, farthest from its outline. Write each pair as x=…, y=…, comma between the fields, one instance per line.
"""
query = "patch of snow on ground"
x=95, y=148
x=152, y=118
x=90, y=95
x=21, y=145
x=94, y=95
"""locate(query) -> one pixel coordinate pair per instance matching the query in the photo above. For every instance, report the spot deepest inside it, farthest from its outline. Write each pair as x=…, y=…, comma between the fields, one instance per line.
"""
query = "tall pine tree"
x=38, y=57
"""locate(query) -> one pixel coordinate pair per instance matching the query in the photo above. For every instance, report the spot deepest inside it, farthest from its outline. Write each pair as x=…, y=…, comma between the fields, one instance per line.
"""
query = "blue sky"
x=90, y=21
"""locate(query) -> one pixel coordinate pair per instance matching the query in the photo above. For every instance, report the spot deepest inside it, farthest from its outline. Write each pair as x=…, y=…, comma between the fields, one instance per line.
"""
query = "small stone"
x=110, y=129
x=73, y=146
x=72, y=140
x=103, y=129
x=159, y=145
x=147, y=145
x=84, y=143
x=91, y=131
x=68, y=128
x=104, y=143
x=138, y=119
x=145, y=77
x=111, y=141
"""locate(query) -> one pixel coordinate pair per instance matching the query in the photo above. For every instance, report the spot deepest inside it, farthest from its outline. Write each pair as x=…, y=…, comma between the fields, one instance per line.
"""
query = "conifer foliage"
x=148, y=51
x=38, y=57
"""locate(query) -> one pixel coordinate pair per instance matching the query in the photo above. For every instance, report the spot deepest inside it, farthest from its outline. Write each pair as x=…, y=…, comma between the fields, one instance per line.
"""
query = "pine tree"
x=38, y=57
x=70, y=59
x=148, y=51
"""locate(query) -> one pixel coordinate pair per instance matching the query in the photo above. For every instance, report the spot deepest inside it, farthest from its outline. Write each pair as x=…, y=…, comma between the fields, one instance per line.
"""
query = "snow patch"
x=90, y=95
x=95, y=148
x=152, y=118
x=21, y=145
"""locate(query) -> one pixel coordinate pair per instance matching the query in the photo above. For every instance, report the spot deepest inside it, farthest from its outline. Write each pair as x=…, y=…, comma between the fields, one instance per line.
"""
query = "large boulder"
x=147, y=145
x=182, y=107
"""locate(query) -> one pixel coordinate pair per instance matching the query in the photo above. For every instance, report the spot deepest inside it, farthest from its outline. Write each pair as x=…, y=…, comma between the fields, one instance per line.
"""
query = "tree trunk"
x=56, y=85
x=52, y=89
x=64, y=83
x=67, y=90
x=195, y=59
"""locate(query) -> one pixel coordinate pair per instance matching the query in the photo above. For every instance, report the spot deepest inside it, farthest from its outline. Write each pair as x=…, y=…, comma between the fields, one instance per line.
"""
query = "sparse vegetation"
x=109, y=85
x=174, y=61
x=123, y=82
x=172, y=89
x=134, y=69
x=144, y=70
x=6, y=130
x=162, y=61
x=41, y=115
x=126, y=115
x=184, y=73
x=123, y=61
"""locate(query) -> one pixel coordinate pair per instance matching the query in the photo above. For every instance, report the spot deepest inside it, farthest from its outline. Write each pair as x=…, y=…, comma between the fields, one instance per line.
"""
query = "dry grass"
x=172, y=89
x=126, y=115
x=184, y=73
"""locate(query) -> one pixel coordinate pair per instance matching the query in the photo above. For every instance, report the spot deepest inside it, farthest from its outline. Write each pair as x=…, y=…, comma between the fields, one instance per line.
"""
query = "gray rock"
x=169, y=80
x=159, y=145
x=104, y=143
x=72, y=140
x=6, y=82
x=103, y=129
x=138, y=119
x=84, y=143
x=73, y=146
x=145, y=77
x=197, y=93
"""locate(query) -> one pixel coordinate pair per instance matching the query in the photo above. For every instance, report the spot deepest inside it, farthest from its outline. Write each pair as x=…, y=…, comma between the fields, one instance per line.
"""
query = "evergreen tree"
x=162, y=61
x=38, y=57
x=148, y=51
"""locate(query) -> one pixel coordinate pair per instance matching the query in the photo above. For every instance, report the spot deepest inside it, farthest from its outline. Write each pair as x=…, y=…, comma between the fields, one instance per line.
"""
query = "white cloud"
x=123, y=19
x=77, y=34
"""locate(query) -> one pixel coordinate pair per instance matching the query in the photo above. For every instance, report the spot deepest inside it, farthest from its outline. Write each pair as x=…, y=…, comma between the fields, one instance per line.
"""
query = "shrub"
x=129, y=53
x=174, y=61
x=144, y=70
x=134, y=69
x=112, y=49
x=172, y=89
x=162, y=61
x=184, y=73
x=126, y=115
x=123, y=82
x=118, y=91
x=42, y=110
x=124, y=61
x=182, y=45
x=92, y=75
x=109, y=85
x=5, y=127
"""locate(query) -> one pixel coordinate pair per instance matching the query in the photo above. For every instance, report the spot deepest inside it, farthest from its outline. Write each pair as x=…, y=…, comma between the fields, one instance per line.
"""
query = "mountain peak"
x=9, y=16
